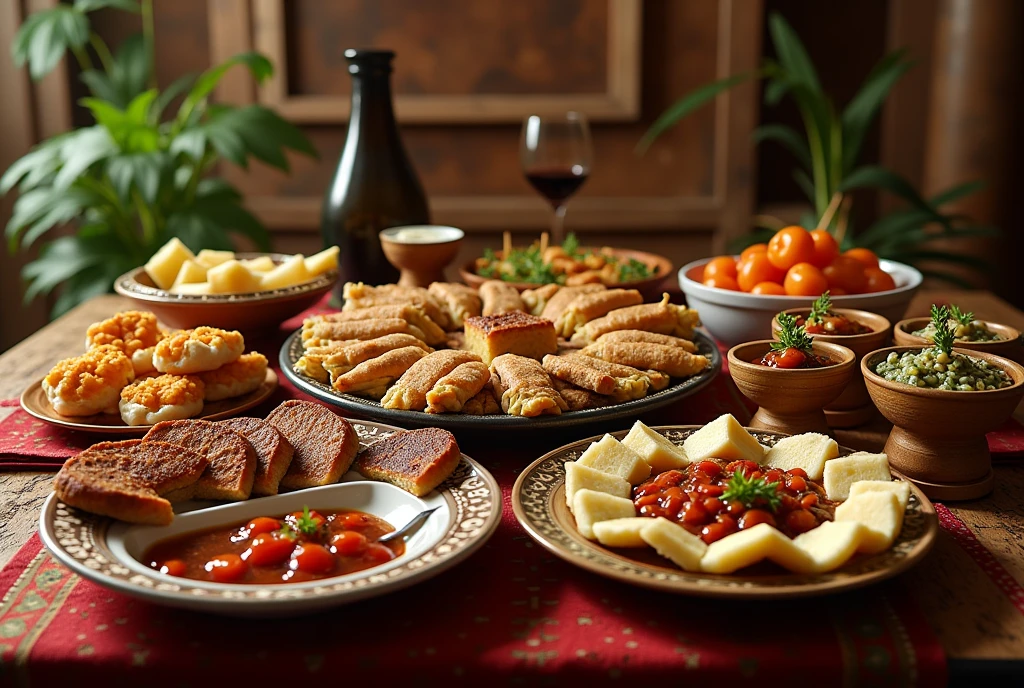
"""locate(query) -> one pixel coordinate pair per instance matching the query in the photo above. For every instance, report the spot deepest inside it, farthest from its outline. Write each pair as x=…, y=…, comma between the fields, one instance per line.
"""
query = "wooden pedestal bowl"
x=422, y=257
x=853, y=407
x=938, y=438
x=790, y=400
x=1009, y=346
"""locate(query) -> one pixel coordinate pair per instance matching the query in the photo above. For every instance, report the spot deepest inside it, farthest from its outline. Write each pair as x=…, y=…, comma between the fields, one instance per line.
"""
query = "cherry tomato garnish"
x=378, y=554
x=173, y=567
x=864, y=255
x=268, y=549
x=879, y=280
x=722, y=265
x=797, y=471
x=710, y=468
x=310, y=557
x=800, y=521
x=789, y=246
x=847, y=274
x=226, y=568
x=768, y=288
x=808, y=500
x=756, y=269
x=825, y=247
x=804, y=279
x=713, y=532
x=796, y=483
x=752, y=249
x=721, y=282
x=755, y=517
x=349, y=543
x=262, y=524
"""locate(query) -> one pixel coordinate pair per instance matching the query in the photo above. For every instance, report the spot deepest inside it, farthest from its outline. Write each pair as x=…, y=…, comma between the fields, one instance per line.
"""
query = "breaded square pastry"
x=490, y=336
x=163, y=397
x=90, y=383
x=236, y=378
x=273, y=452
x=232, y=466
x=416, y=460
x=324, y=443
x=198, y=350
x=136, y=333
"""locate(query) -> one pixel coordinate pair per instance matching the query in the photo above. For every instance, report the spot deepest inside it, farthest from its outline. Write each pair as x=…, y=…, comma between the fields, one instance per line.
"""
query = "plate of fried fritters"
x=456, y=357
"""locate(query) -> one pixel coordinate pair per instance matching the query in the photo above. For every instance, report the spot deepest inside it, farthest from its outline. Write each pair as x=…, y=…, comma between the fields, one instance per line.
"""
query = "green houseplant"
x=828, y=151
x=140, y=174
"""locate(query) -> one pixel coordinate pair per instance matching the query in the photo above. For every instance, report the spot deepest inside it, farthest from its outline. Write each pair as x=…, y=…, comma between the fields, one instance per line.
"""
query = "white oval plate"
x=108, y=552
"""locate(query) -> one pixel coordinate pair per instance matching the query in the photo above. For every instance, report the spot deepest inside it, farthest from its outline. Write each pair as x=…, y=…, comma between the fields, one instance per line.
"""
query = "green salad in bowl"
x=965, y=328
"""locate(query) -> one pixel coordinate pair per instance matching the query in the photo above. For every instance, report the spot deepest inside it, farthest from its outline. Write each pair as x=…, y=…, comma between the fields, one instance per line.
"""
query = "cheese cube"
x=654, y=448
x=291, y=272
x=879, y=513
x=831, y=544
x=193, y=289
x=608, y=455
x=622, y=532
x=579, y=477
x=325, y=261
x=590, y=507
x=190, y=272
x=209, y=258
x=261, y=264
x=748, y=547
x=844, y=471
x=899, y=488
x=232, y=277
x=163, y=267
x=808, y=451
x=723, y=438
x=674, y=542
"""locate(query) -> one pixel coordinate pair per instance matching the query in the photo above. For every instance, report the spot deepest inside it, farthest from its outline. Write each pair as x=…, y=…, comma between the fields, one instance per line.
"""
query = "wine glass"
x=556, y=154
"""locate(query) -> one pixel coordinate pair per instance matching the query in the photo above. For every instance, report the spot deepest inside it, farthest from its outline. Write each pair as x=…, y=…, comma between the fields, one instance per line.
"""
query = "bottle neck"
x=372, y=112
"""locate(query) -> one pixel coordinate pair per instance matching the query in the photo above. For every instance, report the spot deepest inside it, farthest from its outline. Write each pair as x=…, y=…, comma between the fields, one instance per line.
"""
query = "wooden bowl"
x=853, y=407
x=938, y=438
x=423, y=261
x=253, y=312
x=790, y=401
x=650, y=287
x=1009, y=347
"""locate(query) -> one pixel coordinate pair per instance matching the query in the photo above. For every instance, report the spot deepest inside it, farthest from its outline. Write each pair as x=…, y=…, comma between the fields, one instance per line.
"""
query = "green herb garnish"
x=791, y=335
x=304, y=524
x=944, y=335
x=750, y=491
x=960, y=316
x=571, y=245
x=821, y=308
x=633, y=271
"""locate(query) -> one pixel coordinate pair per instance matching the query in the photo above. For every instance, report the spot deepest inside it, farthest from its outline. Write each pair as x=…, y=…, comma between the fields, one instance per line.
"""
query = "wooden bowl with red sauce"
x=791, y=400
x=853, y=407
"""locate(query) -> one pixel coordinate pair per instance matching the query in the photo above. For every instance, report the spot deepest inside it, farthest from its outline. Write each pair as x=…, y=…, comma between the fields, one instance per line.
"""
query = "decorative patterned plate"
x=538, y=499
x=291, y=352
x=106, y=551
x=35, y=403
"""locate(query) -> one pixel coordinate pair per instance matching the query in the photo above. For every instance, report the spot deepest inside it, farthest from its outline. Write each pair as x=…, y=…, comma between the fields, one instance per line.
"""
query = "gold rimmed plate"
x=35, y=403
x=538, y=500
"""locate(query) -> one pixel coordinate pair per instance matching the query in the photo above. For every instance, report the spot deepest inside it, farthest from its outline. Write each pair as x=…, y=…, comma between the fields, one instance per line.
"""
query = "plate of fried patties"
x=456, y=357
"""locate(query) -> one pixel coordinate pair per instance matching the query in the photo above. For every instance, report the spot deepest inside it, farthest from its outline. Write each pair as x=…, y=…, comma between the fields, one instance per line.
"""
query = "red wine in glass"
x=555, y=153
x=557, y=184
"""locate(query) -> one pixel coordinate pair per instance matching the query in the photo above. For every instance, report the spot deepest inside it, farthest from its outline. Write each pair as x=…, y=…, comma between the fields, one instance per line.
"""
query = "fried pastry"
x=489, y=336
x=536, y=299
x=372, y=377
x=232, y=460
x=525, y=387
x=136, y=333
x=631, y=383
x=415, y=460
x=410, y=390
x=579, y=399
x=411, y=313
x=198, y=350
x=483, y=403
x=90, y=383
x=587, y=307
x=451, y=392
x=672, y=360
x=128, y=480
x=311, y=363
x=324, y=443
x=358, y=295
x=348, y=357
x=500, y=297
x=650, y=337
x=360, y=329
x=460, y=302
x=236, y=378
x=571, y=369
x=561, y=299
x=273, y=452
x=163, y=397
x=662, y=318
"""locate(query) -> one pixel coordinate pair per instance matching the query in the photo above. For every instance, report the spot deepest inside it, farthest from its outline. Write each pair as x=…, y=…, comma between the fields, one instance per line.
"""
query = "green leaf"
x=131, y=131
x=863, y=108
x=138, y=109
x=36, y=165
x=895, y=223
x=775, y=90
x=175, y=89
x=90, y=282
x=142, y=171
x=191, y=142
x=45, y=36
x=958, y=191
x=791, y=53
x=80, y=152
x=805, y=184
x=687, y=104
x=788, y=137
x=259, y=66
x=93, y=5
x=23, y=39
x=60, y=260
x=262, y=132
x=912, y=256
x=65, y=207
x=872, y=176
x=75, y=27
x=228, y=143
x=101, y=86
x=229, y=215
x=198, y=232
x=217, y=188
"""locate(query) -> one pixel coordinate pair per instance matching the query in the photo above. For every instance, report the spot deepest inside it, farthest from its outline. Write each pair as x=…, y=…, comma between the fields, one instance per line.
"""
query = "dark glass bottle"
x=375, y=185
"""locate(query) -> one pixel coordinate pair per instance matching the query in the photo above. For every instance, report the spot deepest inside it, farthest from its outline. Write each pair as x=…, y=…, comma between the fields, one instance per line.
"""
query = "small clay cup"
x=853, y=407
x=938, y=438
x=1009, y=346
x=422, y=260
x=790, y=400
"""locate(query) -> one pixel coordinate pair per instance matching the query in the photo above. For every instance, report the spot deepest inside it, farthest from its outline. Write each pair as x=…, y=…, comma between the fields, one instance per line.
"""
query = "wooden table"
x=978, y=626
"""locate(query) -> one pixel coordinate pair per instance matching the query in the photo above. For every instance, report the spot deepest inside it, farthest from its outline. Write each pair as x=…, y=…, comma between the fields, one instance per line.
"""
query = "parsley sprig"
x=751, y=492
x=304, y=525
x=791, y=335
x=944, y=335
x=960, y=316
x=821, y=308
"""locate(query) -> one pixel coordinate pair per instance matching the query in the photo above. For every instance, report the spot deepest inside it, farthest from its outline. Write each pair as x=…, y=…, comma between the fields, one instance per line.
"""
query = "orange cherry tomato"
x=268, y=549
x=352, y=519
x=378, y=554
x=879, y=280
x=310, y=557
x=758, y=268
x=836, y=291
x=789, y=246
x=348, y=543
x=173, y=567
x=826, y=248
x=768, y=288
x=752, y=249
x=864, y=255
x=803, y=279
x=722, y=265
x=722, y=282
x=262, y=524
x=226, y=568
x=847, y=274
x=293, y=517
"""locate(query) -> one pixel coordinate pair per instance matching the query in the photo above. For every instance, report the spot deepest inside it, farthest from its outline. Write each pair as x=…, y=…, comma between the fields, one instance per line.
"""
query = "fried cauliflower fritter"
x=89, y=384
x=198, y=350
x=236, y=378
x=163, y=397
x=135, y=333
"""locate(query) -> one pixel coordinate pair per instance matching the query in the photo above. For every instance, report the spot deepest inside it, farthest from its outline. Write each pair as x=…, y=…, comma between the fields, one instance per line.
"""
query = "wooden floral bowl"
x=938, y=438
x=1009, y=346
x=853, y=407
x=790, y=400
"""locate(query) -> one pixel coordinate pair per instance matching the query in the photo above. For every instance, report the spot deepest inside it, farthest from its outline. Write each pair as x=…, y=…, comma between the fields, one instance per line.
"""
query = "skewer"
x=543, y=243
x=506, y=245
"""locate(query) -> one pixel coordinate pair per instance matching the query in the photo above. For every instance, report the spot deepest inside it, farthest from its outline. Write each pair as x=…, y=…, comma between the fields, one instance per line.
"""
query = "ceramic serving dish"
x=790, y=400
x=853, y=407
x=734, y=316
x=421, y=252
x=1010, y=346
x=938, y=438
x=253, y=312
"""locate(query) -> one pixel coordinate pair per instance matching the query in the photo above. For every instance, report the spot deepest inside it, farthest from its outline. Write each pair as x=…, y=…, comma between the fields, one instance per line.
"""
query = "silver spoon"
x=410, y=527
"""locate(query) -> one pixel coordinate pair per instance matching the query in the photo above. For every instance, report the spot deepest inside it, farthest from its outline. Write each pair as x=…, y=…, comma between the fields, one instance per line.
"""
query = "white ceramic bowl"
x=734, y=317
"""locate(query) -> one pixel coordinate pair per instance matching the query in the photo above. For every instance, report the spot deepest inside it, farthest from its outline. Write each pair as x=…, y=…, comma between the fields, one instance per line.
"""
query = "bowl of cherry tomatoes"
x=737, y=296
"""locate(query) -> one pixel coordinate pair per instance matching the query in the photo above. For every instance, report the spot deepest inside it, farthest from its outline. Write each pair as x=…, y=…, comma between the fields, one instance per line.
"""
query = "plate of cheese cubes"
x=720, y=510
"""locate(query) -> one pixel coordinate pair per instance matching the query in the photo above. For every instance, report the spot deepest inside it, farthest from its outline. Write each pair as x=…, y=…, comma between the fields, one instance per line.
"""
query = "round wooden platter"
x=35, y=403
x=538, y=500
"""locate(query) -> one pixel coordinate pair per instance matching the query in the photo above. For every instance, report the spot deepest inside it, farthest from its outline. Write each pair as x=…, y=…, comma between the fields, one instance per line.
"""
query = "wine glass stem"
x=557, y=222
